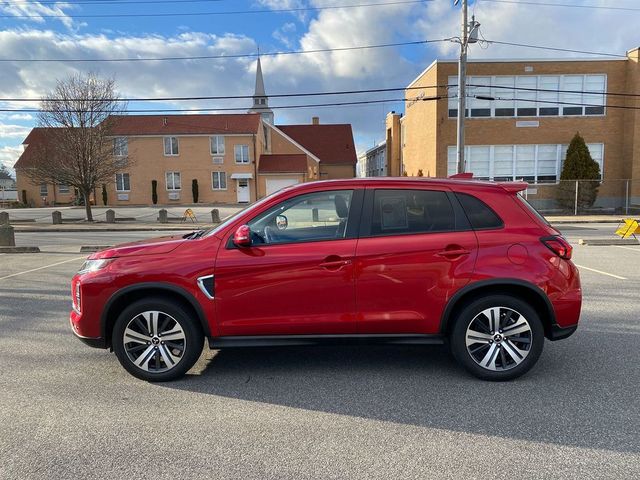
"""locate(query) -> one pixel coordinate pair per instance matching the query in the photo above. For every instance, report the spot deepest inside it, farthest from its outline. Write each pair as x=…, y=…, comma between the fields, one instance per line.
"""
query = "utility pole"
x=468, y=35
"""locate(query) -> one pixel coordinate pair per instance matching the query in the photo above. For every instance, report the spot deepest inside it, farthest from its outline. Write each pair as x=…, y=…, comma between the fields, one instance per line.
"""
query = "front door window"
x=312, y=217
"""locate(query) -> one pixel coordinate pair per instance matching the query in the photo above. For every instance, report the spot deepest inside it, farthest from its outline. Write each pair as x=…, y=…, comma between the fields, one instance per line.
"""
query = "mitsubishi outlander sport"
x=395, y=260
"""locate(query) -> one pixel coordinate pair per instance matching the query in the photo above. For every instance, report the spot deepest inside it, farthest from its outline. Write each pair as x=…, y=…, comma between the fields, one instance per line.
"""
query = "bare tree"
x=77, y=120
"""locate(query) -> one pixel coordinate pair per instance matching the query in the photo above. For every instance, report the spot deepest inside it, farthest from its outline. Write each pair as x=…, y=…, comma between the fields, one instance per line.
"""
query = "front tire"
x=497, y=338
x=156, y=340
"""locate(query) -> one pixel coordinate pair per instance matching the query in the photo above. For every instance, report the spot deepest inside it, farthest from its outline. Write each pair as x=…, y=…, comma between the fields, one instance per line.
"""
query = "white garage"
x=275, y=184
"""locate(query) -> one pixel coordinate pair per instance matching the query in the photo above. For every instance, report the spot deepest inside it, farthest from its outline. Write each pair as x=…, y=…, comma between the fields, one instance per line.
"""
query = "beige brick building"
x=233, y=158
x=529, y=112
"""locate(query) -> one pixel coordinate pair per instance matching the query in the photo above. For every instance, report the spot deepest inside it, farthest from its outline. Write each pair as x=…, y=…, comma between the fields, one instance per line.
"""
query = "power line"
x=556, y=49
x=231, y=109
x=229, y=12
x=109, y=2
x=237, y=97
x=566, y=5
x=210, y=57
x=553, y=102
x=336, y=92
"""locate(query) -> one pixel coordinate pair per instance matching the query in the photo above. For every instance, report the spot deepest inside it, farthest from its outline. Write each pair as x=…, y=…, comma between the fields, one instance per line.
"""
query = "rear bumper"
x=558, y=333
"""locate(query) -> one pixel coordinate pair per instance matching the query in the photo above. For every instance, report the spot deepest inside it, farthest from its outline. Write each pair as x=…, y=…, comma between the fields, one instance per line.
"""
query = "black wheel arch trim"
x=169, y=287
x=453, y=301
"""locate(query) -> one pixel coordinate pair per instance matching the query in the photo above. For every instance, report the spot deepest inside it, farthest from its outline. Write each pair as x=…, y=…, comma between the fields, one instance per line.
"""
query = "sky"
x=181, y=28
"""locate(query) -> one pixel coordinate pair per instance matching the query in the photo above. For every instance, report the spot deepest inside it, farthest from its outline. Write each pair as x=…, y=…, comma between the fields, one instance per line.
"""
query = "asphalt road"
x=69, y=411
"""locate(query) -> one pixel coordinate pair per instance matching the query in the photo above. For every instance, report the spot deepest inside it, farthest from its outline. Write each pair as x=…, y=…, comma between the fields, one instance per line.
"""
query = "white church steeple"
x=260, y=99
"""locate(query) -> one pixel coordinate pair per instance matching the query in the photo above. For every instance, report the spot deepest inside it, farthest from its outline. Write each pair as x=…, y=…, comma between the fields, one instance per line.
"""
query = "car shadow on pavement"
x=568, y=399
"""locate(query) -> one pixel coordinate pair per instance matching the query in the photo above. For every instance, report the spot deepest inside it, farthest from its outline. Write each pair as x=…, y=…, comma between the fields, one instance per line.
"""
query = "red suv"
x=400, y=261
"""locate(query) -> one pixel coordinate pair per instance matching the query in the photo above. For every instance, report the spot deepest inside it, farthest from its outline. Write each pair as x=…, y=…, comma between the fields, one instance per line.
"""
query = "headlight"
x=94, y=265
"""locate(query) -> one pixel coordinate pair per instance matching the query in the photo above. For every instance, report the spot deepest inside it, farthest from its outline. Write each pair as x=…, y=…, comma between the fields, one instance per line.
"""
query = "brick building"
x=520, y=128
x=234, y=158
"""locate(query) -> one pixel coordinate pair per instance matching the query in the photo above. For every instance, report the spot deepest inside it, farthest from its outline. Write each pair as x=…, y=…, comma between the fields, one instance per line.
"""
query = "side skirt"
x=347, y=339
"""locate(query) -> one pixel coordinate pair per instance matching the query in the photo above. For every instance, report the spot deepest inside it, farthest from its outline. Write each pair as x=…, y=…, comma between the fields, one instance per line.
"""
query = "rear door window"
x=398, y=212
x=480, y=215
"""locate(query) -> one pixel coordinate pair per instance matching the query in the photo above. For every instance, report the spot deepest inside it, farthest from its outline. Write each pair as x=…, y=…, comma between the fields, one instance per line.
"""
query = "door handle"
x=333, y=262
x=452, y=253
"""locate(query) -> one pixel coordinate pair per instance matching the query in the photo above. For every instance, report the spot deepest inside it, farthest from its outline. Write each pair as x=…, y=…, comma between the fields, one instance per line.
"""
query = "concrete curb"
x=19, y=250
x=601, y=242
x=101, y=229
x=93, y=248
x=560, y=222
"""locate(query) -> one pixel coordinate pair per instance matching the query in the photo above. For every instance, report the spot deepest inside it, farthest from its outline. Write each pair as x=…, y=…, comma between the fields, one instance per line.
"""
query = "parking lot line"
x=591, y=270
x=41, y=268
x=637, y=250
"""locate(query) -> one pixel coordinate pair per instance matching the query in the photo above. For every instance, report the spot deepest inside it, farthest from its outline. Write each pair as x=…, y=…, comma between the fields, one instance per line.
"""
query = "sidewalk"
x=139, y=226
x=560, y=219
x=109, y=227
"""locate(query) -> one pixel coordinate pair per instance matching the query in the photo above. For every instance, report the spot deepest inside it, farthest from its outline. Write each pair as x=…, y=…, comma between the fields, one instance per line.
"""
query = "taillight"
x=558, y=245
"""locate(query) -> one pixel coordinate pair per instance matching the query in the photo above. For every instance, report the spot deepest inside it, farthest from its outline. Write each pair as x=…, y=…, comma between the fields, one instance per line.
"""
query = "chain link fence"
x=586, y=197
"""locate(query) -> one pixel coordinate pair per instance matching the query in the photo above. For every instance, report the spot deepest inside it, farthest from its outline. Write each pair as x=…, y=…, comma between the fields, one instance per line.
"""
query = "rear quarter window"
x=480, y=215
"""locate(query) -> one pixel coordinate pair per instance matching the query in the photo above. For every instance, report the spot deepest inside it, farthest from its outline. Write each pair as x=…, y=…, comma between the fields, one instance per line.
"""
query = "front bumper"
x=95, y=342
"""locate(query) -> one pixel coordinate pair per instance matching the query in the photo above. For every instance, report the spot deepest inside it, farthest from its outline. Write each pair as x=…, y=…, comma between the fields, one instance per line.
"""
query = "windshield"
x=232, y=218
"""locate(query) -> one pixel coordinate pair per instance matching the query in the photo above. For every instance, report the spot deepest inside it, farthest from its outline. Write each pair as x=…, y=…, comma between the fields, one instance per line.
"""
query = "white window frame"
x=173, y=181
x=508, y=94
x=63, y=188
x=240, y=149
x=121, y=175
x=164, y=146
x=561, y=151
x=44, y=190
x=220, y=175
x=216, y=140
x=120, y=147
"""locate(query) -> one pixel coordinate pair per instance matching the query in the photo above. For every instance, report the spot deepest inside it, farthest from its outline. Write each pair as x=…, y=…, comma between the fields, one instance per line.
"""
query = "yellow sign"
x=188, y=213
x=630, y=227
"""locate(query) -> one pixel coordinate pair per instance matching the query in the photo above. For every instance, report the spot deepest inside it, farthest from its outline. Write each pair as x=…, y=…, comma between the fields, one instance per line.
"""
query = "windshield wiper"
x=194, y=235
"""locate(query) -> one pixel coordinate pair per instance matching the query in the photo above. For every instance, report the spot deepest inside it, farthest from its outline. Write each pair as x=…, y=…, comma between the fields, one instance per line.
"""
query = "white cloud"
x=555, y=26
x=286, y=34
x=36, y=11
x=9, y=156
x=13, y=131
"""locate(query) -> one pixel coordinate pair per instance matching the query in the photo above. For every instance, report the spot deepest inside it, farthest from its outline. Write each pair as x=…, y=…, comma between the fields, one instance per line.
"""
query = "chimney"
x=315, y=120
x=164, y=121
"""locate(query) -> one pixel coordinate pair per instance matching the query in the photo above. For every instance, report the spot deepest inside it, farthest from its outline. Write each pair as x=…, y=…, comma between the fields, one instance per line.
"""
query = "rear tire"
x=497, y=338
x=156, y=340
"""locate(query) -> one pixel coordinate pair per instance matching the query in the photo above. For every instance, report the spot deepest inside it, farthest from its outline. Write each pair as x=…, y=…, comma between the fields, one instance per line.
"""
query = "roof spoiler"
x=462, y=175
x=514, y=187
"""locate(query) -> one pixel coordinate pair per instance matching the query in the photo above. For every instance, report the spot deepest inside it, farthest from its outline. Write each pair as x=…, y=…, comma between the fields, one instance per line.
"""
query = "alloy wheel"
x=154, y=341
x=499, y=338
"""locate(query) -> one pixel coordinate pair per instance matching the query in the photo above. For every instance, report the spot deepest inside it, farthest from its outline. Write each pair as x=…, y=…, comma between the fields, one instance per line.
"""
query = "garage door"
x=275, y=184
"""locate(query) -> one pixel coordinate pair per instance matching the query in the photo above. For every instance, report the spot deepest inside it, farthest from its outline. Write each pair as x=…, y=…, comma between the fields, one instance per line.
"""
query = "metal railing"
x=586, y=197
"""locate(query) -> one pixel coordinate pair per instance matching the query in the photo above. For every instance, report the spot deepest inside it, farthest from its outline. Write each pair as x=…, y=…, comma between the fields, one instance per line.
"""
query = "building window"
x=122, y=182
x=62, y=188
x=531, y=96
x=531, y=163
x=241, y=153
x=219, y=180
x=170, y=146
x=120, y=146
x=43, y=190
x=173, y=181
x=217, y=145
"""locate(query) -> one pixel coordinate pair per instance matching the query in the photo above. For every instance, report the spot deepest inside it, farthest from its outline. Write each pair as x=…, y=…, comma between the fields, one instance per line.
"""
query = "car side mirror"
x=242, y=236
x=282, y=222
